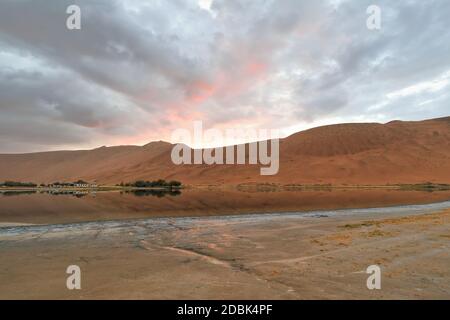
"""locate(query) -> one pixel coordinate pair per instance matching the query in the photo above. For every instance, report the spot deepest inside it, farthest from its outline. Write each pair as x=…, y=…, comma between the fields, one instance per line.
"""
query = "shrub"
x=19, y=184
x=157, y=183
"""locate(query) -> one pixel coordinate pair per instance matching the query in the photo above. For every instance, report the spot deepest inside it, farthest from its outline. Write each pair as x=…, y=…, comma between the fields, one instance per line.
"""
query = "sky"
x=138, y=70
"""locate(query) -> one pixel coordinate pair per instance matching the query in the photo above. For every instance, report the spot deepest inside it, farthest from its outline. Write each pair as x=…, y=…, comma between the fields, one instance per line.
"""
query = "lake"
x=30, y=207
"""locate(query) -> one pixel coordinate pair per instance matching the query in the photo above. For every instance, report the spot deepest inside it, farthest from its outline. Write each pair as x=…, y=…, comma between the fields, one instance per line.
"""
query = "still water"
x=53, y=208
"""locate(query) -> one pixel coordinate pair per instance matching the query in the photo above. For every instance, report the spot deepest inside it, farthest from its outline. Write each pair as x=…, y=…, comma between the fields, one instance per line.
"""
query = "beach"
x=304, y=255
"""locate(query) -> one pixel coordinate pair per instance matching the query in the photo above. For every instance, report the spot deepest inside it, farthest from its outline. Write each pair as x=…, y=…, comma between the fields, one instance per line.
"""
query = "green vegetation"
x=157, y=184
x=153, y=184
x=18, y=184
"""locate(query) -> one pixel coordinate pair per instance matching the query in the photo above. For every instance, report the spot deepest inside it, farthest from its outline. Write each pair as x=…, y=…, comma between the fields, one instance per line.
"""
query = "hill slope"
x=359, y=153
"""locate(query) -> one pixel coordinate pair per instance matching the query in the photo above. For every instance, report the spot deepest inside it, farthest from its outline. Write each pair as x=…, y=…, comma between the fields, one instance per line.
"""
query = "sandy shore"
x=282, y=256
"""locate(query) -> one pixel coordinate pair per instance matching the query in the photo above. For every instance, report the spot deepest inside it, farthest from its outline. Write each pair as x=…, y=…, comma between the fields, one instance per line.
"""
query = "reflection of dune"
x=368, y=153
x=50, y=209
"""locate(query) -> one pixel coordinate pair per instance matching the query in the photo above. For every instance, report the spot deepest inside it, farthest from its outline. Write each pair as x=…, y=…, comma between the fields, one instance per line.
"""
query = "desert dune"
x=356, y=153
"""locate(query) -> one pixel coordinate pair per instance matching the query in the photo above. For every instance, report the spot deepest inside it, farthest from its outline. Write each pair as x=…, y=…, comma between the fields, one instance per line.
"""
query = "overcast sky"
x=137, y=70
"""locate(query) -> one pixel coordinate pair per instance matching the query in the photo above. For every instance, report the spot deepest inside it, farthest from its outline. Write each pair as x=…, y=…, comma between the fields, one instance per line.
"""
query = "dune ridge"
x=354, y=153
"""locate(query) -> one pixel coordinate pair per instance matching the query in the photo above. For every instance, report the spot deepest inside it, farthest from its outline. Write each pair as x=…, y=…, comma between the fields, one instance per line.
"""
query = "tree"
x=174, y=183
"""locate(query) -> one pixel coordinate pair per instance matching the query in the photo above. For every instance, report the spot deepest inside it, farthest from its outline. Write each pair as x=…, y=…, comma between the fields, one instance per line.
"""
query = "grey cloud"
x=141, y=66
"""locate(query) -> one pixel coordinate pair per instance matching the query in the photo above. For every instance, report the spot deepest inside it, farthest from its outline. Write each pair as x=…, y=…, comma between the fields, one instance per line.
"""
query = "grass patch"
x=359, y=225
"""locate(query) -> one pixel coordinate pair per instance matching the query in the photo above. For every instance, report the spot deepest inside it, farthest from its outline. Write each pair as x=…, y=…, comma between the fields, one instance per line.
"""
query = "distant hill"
x=356, y=153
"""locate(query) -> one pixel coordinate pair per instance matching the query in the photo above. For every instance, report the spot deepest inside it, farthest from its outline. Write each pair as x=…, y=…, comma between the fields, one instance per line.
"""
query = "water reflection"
x=66, y=206
x=17, y=192
x=154, y=193
x=79, y=194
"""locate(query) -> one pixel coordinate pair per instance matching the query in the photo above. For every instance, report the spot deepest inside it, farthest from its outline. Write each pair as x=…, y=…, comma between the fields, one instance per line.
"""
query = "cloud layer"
x=139, y=69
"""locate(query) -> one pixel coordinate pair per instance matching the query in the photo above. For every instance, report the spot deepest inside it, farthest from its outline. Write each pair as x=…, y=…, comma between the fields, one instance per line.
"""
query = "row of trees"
x=18, y=184
x=153, y=184
x=68, y=184
x=137, y=184
x=33, y=185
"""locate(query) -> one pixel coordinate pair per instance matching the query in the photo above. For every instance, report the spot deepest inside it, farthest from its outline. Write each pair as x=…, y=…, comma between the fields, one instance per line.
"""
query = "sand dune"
x=358, y=153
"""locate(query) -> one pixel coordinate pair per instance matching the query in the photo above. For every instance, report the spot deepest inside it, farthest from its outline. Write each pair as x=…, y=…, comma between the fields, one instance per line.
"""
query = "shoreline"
x=253, y=217
x=250, y=186
x=94, y=189
x=48, y=209
x=284, y=257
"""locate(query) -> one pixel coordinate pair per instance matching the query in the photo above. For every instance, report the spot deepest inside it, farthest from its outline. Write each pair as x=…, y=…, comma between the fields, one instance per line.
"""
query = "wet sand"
x=311, y=255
